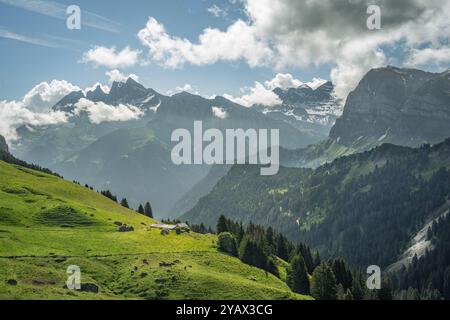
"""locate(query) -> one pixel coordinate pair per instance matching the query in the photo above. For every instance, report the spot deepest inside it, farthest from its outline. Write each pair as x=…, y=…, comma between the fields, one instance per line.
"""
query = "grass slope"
x=48, y=224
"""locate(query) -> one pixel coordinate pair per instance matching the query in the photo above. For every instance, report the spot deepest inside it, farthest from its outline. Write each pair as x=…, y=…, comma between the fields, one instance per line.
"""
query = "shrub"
x=227, y=243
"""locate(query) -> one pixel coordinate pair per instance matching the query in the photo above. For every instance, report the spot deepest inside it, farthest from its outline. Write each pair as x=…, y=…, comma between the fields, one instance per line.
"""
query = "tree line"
x=307, y=273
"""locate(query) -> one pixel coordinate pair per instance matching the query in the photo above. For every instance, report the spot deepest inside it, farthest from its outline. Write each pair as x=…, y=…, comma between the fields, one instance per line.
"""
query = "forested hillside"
x=364, y=207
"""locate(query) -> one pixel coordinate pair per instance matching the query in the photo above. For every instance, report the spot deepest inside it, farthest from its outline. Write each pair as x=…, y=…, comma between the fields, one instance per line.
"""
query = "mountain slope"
x=201, y=189
x=48, y=224
x=405, y=107
x=3, y=145
x=400, y=106
x=351, y=207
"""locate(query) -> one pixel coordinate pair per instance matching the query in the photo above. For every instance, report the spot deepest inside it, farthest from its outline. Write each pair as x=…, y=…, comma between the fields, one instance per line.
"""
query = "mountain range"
x=388, y=97
x=127, y=157
x=307, y=108
x=375, y=192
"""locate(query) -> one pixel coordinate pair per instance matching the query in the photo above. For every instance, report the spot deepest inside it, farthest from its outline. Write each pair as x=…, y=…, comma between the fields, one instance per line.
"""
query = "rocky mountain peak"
x=97, y=94
x=390, y=104
x=66, y=103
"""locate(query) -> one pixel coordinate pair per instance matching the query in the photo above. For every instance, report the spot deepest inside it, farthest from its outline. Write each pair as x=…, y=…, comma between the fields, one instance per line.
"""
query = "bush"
x=227, y=243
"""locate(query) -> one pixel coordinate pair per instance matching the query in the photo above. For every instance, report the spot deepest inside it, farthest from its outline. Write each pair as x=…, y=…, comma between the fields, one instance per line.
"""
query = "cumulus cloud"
x=316, y=83
x=184, y=88
x=286, y=81
x=435, y=56
x=258, y=94
x=35, y=108
x=262, y=94
x=283, y=81
x=14, y=114
x=99, y=112
x=116, y=75
x=219, y=112
x=111, y=57
x=301, y=33
x=239, y=41
x=45, y=95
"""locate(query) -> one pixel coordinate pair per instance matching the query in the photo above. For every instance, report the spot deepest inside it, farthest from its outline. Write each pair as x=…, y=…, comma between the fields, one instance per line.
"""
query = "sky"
x=241, y=49
x=27, y=64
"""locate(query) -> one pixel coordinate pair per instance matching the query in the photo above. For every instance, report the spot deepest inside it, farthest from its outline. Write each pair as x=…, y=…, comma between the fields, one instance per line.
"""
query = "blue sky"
x=24, y=65
x=252, y=40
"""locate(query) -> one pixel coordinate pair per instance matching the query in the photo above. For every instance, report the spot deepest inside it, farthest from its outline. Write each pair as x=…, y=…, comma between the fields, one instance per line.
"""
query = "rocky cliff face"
x=400, y=106
x=3, y=144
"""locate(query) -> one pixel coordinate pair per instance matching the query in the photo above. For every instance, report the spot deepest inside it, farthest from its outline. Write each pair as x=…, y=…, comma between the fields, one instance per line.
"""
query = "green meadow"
x=48, y=224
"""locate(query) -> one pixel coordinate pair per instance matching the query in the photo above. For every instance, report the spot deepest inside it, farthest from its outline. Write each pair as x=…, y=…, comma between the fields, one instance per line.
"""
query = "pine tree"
x=148, y=210
x=246, y=250
x=358, y=291
x=446, y=284
x=270, y=239
x=222, y=225
x=316, y=261
x=342, y=273
x=140, y=209
x=323, y=283
x=282, y=251
x=124, y=203
x=385, y=293
x=348, y=295
x=297, y=277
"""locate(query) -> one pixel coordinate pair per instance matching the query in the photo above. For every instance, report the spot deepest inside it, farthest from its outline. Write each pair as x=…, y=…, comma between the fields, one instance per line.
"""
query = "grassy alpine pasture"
x=48, y=224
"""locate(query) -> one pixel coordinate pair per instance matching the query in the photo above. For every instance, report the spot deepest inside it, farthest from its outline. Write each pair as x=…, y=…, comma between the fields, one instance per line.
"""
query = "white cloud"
x=104, y=88
x=111, y=57
x=45, y=95
x=283, y=81
x=316, y=83
x=99, y=112
x=263, y=93
x=216, y=11
x=258, y=94
x=436, y=56
x=220, y=113
x=184, y=88
x=14, y=114
x=239, y=41
x=303, y=33
x=116, y=75
x=286, y=81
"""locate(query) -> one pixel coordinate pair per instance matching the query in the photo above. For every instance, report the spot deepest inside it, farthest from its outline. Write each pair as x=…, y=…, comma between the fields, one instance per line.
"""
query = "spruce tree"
x=148, y=210
x=124, y=203
x=222, y=225
x=140, y=209
x=246, y=250
x=297, y=277
x=282, y=251
x=323, y=283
